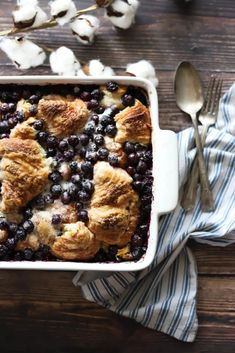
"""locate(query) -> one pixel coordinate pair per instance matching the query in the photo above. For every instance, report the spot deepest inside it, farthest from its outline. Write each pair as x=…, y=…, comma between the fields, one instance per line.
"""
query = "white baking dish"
x=165, y=173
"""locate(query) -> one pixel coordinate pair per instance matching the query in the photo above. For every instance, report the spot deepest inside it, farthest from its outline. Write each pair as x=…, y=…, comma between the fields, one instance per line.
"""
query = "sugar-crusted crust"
x=133, y=124
x=114, y=213
x=76, y=243
x=62, y=116
x=24, y=172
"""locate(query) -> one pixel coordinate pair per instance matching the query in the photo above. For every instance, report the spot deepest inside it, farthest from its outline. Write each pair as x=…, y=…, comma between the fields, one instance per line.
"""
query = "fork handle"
x=190, y=189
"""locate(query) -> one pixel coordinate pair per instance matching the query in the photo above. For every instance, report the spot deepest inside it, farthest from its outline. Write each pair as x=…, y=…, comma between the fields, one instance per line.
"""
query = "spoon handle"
x=190, y=188
x=206, y=194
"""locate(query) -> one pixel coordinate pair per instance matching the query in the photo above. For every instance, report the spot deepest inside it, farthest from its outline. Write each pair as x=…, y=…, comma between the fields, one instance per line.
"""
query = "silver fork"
x=207, y=117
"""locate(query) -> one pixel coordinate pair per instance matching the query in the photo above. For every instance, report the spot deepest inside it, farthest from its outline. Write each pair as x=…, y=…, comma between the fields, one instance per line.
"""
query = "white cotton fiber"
x=96, y=68
x=64, y=62
x=60, y=6
x=127, y=9
x=23, y=52
x=85, y=27
x=28, y=11
x=144, y=69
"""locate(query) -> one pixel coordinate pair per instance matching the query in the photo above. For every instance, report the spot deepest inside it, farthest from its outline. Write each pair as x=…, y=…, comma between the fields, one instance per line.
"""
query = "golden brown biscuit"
x=133, y=124
x=24, y=130
x=76, y=243
x=116, y=149
x=113, y=98
x=3, y=235
x=62, y=116
x=114, y=213
x=24, y=107
x=44, y=232
x=24, y=172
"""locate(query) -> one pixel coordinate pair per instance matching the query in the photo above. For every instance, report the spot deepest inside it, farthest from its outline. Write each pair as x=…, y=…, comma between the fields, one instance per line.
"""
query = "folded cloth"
x=163, y=296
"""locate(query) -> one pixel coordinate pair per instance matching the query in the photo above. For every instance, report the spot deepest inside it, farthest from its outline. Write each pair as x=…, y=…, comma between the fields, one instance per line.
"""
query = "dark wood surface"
x=42, y=311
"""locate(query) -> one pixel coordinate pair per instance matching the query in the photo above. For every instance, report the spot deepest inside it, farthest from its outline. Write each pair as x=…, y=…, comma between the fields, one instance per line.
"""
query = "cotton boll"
x=143, y=68
x=23, y=52
x=63, y=10
x=85, y=28
x=81, y=73
x=122, y=13
x=28, y=14
x=96, y=68
x=24, y=16
x=40, y=18
x=64, y=62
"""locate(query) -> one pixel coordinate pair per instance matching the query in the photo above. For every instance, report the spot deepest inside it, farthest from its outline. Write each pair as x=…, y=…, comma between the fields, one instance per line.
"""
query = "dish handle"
x=167, y=171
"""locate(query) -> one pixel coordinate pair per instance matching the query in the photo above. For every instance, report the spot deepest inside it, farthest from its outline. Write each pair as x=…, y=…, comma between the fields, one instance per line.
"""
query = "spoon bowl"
x=188, y=88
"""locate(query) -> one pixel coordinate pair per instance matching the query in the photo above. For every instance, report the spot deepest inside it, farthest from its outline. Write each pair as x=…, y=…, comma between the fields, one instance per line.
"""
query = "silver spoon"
x=189, y=98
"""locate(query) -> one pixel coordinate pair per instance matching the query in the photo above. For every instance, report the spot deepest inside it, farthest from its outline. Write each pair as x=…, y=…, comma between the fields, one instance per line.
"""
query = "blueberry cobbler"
x=75, y=172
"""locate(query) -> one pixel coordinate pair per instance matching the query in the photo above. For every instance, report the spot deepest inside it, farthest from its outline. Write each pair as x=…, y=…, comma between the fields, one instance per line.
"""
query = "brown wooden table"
x=42, y=311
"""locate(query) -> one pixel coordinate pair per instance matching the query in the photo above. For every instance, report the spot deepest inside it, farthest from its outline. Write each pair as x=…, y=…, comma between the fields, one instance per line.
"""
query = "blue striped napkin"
x=163, y=296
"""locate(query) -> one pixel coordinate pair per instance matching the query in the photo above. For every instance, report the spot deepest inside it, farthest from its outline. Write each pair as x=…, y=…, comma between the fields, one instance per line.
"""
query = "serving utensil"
x=189, y=98
x=207, y=117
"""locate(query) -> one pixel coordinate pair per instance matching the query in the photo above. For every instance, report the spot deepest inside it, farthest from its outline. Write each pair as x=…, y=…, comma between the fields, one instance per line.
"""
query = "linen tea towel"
x=163, y=296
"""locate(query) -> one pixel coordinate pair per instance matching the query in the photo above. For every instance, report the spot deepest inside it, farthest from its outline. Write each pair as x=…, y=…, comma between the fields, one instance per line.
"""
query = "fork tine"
x=217, y=96
x=207, y=100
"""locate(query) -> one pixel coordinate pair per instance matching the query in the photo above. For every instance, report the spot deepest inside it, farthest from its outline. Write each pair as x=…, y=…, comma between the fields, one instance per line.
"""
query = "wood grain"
x=43, y=311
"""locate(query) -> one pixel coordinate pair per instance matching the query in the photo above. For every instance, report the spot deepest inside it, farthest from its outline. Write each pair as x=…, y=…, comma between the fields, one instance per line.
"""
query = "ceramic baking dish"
x=165, y=173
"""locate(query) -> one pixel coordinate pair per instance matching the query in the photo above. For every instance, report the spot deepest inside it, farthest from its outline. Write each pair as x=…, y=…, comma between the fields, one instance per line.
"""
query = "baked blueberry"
x=20, y=234
x=133, y=159
x=42, y=136
x=129, y=147
x=56, y=219
x=82, y=152
x=79, y=206
x=99, y=140
x=52, y=141
x=3, y=250
x=88, y=186
x=141, y=167
x=92, y=104
x=63, y=145
x=100, y=129
x=83, y=196
x=137, y=185
x=73, y=140
x=128, y=100
x=66, y=198
x=91, y=156
x=3, y=224
x=83, y=215
x=48, y=198
x=86, y=167
x=111, y=130
x=10, y=243
x=73, y=166
x=96, y=94
x=136, y=240
x=95, y=118
x=102, y=153
x=85, y=96
x=84, y=139
x=105, y=120
x=51, y=152
x=69, y=154
x=89, y=128
x=55, y=176
x=28, y=226
x=28, y=254
x=33, y=110
x=112, y=86
x=113, y=160
x=75, y=179
x=56, y=190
